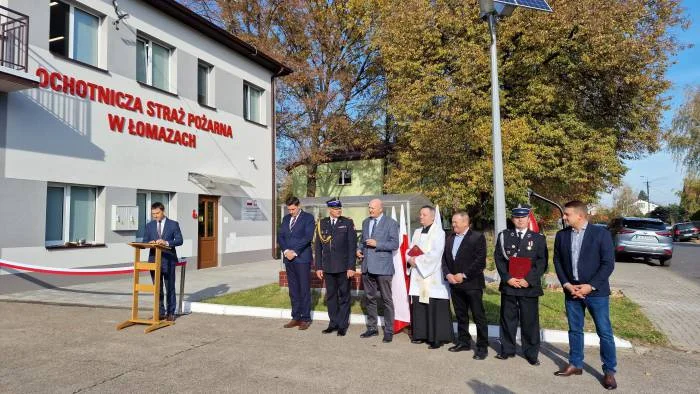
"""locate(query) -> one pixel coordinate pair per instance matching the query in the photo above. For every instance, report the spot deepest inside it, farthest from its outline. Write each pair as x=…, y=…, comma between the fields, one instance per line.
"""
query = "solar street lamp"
x=489, y=10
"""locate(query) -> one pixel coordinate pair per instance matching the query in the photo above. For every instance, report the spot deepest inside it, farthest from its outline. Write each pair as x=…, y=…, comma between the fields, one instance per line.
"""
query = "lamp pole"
x=489, y=10
x=499, y=196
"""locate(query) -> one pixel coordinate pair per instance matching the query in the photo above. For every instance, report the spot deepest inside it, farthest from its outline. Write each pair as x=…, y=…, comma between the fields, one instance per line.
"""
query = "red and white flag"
x=400, y=280
x=532, y=223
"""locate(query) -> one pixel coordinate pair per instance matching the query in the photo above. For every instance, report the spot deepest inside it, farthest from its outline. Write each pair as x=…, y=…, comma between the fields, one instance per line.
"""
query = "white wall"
x=54, y=137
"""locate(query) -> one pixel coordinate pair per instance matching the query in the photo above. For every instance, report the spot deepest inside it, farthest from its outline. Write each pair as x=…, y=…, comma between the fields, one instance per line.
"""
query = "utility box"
x=125, y=217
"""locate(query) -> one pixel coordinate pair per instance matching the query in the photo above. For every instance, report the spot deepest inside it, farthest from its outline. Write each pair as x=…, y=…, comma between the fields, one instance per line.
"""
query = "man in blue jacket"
x=380, y=238
x=164, y=231
x=584, y=258
x=294, y=238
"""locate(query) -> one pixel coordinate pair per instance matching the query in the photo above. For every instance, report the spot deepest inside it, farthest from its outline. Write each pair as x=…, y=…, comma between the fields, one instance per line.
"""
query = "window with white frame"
x=204, y=72
x=74, y=32
x=153, y=63
x=252, y=103
x=344, y=177
x=144, y=199
x=70, y=214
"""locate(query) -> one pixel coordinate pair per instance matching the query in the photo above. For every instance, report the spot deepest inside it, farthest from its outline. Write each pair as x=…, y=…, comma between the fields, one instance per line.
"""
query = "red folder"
x=415, y=251
x=519, y=267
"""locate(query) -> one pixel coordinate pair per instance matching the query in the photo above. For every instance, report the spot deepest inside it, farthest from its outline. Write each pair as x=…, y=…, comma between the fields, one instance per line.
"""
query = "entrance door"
x=208, y=229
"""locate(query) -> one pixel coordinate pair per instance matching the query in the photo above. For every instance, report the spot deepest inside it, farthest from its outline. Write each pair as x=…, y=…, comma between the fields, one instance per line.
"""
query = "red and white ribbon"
x=72, y=271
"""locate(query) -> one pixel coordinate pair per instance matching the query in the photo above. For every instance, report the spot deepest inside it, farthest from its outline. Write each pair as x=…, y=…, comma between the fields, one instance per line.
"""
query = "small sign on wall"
x=251, y=210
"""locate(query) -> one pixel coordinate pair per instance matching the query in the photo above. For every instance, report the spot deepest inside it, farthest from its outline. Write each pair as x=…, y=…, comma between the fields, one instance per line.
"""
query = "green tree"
x=690, y=195
x=642, y=195
x=581, y=91
x=696, y=215
x=662, y=213
x=684, y=136
x=677, y=213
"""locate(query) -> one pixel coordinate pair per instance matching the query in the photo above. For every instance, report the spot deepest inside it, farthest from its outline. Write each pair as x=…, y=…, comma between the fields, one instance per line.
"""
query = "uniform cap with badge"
x=520, y=211
x=334, y=203
x=518, y=267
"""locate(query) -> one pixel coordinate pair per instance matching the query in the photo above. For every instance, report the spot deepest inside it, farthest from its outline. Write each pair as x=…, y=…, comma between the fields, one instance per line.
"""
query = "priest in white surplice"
x=429, y=291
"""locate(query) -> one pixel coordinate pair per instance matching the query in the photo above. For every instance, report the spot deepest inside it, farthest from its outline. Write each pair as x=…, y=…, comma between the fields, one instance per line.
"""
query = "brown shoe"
x=609, y=381
x=170, y=318
x=568, y=371
x=304, y=325
x=292, y=323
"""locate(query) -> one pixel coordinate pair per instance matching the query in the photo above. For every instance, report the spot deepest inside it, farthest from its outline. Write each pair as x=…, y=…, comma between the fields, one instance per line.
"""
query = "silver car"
x=642, y=237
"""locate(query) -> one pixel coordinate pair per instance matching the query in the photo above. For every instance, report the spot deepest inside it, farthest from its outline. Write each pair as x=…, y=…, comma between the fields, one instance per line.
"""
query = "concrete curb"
x=548, y=336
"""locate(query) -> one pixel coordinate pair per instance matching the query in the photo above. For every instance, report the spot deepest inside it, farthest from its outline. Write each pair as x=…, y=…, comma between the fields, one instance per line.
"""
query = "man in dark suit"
x=463, y=264
x=335, y=243
x=164, y=231
x=294, y=238
x=520, y=296
x=380, y=238
x=584, y=258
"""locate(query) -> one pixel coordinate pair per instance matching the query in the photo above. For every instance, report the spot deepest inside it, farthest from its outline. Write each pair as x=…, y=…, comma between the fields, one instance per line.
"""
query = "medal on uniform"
x=529, y=245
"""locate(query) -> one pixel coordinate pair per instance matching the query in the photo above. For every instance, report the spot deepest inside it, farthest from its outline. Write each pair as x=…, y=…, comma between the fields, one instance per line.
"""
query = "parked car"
x=685, y=231
x=642, y=237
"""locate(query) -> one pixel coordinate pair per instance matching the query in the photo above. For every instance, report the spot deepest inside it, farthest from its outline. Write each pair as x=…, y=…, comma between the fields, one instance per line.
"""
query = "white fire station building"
x=106, y=109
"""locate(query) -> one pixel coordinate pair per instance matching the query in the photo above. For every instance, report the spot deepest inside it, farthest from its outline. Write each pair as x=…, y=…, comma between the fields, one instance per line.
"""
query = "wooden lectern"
x=155, y=322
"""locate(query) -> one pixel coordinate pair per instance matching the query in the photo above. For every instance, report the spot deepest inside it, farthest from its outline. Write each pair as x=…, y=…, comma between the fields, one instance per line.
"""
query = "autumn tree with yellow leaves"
x=581, y=91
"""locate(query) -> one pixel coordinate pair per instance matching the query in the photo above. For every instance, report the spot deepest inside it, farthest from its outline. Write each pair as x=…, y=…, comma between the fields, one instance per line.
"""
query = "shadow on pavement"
x=561, y=359
x=208, y=292
x=481, y=387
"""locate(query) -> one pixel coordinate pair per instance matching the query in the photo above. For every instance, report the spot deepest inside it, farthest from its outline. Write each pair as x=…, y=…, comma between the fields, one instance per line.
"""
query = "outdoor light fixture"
x=489, y=10
x=120, y=14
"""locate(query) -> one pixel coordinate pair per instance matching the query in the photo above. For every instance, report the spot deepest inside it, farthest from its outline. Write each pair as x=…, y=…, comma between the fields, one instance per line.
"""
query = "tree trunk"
x=311, y=170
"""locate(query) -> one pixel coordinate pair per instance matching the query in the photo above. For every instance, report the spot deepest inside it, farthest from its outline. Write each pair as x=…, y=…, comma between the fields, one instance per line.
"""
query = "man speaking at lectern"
x=166, y=232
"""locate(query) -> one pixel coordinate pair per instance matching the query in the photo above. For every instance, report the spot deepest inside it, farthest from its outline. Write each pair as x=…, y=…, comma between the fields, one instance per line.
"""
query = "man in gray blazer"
x=380, y=238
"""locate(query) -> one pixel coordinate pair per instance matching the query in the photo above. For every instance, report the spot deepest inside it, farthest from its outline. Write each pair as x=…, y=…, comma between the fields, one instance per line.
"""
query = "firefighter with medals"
x=335, y=243
x=520, y=295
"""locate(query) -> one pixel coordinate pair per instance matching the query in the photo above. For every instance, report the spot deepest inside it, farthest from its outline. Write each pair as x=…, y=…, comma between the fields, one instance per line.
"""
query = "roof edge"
x=185, y=15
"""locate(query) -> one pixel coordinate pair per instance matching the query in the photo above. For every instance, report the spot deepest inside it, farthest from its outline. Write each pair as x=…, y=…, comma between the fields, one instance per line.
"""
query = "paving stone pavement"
x=68, y=349
x=671, y=301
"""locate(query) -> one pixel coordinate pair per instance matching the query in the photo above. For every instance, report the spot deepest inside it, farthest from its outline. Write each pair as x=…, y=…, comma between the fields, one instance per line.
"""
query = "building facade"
x=644, y=206
x=116, y=113
x=362, y=177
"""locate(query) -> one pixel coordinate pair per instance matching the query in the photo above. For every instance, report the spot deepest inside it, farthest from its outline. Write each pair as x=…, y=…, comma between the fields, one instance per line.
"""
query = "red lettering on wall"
x=116, y=123
x=69, y=85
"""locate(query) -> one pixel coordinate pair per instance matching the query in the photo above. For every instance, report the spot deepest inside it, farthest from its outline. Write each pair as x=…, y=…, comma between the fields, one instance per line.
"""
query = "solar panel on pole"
x=511, y=2
x=540, y=5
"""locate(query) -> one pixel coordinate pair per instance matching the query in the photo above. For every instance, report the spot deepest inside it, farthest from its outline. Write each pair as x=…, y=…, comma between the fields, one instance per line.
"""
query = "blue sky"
x=665, y=176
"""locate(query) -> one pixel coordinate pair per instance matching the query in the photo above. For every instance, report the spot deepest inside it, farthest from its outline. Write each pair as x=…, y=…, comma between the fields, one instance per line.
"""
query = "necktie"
x=294, y=220
x=374, y=225
x=333, y=223
x=520, y=235
x=160, y=230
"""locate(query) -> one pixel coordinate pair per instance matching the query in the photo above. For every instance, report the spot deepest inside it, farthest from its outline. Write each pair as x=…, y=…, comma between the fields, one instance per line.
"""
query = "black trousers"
x=376, y=285
x=464, y=301
x=338, y=299
x=523, y=310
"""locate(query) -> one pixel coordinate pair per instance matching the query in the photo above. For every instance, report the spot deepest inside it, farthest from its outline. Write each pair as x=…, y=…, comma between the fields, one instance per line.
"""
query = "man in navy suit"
x=164, y=231
x=294, y=238
x=584, y=258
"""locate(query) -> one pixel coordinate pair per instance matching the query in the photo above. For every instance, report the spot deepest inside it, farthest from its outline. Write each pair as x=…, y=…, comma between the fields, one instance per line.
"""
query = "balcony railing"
x=14, y=37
